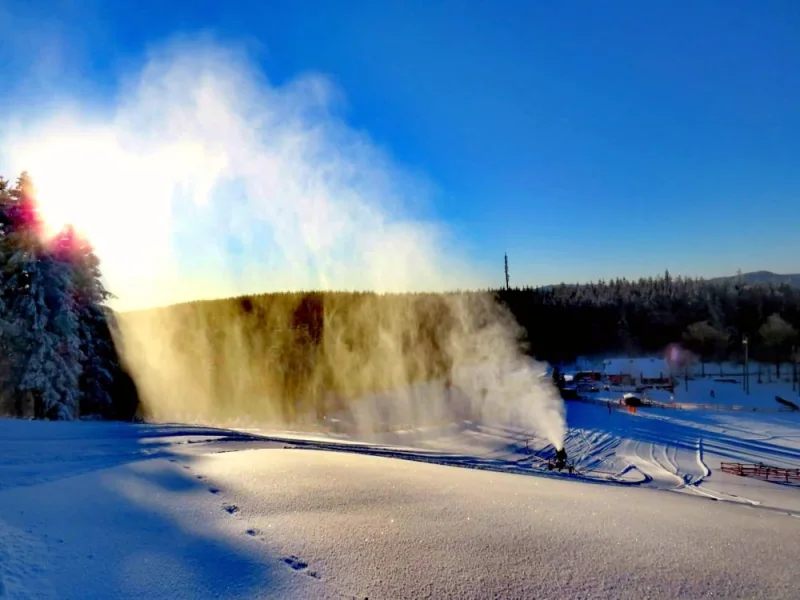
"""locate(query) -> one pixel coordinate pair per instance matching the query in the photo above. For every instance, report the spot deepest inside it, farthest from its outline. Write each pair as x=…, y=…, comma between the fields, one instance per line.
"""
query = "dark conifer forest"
x=711, y=318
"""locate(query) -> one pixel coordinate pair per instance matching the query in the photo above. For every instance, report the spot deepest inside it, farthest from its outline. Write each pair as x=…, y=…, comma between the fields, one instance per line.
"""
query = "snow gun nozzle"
x=560, y=461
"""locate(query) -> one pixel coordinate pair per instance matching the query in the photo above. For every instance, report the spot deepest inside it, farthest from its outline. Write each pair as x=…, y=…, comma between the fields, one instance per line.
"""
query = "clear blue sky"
x=587, y=139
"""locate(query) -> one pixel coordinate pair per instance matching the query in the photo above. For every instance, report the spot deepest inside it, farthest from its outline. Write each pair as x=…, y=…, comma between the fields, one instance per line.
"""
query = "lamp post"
x=746, y=379
x=686, y=377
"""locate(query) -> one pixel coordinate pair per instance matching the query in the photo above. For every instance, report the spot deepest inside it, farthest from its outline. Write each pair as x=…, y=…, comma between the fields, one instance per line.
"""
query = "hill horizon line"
x=750, y=277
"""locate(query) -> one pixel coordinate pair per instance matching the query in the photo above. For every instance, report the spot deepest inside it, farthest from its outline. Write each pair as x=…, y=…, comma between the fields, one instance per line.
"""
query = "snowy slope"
x=682, y=450
x=96, y=510
x=99, y=510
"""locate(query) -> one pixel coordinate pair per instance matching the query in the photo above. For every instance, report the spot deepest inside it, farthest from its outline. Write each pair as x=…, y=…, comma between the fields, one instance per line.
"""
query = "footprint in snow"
x=253, y=532
x=295, y=563
x=299, y=565
x=231, y=509
x=213, y=490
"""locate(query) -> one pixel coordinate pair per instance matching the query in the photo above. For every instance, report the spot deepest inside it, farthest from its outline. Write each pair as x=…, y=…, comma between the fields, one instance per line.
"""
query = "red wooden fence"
x=761, y=471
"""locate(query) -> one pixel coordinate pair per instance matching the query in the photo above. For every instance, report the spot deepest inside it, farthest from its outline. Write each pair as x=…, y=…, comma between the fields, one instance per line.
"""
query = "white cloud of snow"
x=204, y=179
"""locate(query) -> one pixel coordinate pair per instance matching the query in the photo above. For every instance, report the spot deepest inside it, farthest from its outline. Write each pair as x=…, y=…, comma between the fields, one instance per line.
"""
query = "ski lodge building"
x=641, y=371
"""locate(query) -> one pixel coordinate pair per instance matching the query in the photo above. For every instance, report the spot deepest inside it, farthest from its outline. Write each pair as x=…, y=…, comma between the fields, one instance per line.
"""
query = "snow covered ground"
x=112, y=510
x=722, y=394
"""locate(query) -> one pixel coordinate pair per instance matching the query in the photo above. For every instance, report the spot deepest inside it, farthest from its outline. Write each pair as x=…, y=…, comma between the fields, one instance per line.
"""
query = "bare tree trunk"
x=38, y=406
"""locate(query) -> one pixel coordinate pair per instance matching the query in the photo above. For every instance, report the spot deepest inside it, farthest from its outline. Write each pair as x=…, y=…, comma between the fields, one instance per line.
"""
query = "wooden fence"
x=761, y=471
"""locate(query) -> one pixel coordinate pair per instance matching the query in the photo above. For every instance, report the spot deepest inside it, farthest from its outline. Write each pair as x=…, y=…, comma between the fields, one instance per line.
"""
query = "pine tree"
x=707, y=341
x=96, y=344
x=778, y=337
x=40, y=325
x=43, y=331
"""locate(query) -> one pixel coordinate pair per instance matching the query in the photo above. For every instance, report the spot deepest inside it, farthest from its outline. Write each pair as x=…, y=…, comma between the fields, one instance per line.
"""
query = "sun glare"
x=74, y=180
x=117, y=196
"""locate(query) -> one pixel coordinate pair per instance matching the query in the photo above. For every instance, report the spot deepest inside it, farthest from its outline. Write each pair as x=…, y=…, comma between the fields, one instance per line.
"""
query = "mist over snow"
x=205, y=180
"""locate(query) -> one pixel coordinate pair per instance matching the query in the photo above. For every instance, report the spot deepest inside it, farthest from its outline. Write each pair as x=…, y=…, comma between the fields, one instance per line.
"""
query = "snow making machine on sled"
x=560, y=462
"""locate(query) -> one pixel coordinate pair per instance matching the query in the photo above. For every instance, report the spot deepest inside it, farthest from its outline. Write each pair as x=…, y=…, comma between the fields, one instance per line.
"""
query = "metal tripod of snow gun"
x=560, y=463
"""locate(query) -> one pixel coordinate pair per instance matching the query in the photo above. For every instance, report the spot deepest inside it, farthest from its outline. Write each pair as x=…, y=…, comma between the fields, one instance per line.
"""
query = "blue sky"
x=586, y=139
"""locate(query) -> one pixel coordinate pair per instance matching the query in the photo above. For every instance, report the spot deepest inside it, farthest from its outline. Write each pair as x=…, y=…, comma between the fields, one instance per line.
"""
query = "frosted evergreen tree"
x=778, y=336
x=90, y=295
x=707, y=341
x=45, y=332
x=41, y=328
x=6, y=362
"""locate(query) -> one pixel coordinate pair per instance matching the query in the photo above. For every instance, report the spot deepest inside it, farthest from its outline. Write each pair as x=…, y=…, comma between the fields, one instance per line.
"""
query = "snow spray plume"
x=208, y=181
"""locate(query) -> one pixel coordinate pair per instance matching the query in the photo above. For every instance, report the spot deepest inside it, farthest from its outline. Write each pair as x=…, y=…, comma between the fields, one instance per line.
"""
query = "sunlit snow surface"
x=109, y=510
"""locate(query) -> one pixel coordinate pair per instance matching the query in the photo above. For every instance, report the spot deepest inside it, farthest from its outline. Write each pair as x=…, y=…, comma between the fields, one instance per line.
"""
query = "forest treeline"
x=712, y=319
x=57, y=357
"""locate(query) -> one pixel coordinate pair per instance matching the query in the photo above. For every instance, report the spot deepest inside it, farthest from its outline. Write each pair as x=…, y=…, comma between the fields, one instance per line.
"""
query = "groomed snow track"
x=530, y=465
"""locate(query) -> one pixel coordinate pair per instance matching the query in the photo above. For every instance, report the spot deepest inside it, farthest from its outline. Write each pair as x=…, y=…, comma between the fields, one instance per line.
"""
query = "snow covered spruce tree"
x=59, y=358
x=89, y=295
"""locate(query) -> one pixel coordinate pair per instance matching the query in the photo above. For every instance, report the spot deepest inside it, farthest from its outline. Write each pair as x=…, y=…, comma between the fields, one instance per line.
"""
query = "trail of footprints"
x=292, y=561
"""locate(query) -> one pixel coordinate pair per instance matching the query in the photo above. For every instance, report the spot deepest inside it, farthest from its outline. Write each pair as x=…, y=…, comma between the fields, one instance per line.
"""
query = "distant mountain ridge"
x=754, y=277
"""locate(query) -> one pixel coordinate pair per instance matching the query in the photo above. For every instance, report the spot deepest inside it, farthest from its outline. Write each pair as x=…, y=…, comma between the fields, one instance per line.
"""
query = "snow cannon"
x=560, y=462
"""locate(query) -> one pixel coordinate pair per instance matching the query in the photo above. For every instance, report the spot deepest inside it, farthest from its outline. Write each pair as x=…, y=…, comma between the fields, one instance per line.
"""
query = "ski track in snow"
x=701, y=462
x=651, y=450
x=599, y=456
x=670, y=452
